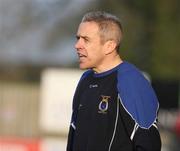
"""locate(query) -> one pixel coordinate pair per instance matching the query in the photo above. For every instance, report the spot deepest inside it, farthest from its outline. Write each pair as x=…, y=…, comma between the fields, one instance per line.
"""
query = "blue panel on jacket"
x=137, y=95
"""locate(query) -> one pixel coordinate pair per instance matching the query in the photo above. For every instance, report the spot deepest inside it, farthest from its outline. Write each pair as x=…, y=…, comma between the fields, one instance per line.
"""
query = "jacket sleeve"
x=75, y=105
x=147, y=140
x=141, y=139
x=140, y=102
x=138, y=97
x=70, y=139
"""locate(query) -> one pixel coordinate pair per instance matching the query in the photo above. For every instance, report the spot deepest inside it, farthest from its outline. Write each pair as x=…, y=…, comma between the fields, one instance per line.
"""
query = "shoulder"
x=83, y=78
x=129, y=70
x=86, y=74
x=136, y=94
x=131, y=75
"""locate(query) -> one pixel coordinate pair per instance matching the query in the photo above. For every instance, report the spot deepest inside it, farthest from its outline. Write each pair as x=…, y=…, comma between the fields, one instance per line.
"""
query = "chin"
x=84, y=67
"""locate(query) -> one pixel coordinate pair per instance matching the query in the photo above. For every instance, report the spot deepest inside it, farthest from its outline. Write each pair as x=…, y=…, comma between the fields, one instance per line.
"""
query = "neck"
x=108, y=64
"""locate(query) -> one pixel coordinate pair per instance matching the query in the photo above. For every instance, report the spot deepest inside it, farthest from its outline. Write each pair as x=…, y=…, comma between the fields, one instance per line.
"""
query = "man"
x=114, y=106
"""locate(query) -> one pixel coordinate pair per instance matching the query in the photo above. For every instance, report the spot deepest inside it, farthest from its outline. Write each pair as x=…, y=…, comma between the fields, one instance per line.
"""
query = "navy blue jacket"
x=114, y=111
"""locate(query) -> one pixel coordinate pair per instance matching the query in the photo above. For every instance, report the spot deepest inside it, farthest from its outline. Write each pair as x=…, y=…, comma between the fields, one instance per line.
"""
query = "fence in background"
x=19, y=103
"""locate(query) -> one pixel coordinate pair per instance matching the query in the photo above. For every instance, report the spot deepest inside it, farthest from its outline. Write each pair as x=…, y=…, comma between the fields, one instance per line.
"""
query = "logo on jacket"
x=103, y=105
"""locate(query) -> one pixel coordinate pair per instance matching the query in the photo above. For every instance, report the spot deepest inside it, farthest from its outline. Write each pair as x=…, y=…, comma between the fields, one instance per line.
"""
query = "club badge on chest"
x=103, y=105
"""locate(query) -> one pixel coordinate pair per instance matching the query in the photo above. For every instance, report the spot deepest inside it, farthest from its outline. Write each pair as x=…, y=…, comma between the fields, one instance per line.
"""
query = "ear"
x=110, y=46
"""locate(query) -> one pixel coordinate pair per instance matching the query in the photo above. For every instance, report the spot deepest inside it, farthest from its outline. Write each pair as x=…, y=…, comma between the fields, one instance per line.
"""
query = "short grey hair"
x=110, y=26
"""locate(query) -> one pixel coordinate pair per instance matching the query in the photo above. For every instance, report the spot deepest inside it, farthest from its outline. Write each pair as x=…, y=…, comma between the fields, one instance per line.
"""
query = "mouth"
x=81, y=55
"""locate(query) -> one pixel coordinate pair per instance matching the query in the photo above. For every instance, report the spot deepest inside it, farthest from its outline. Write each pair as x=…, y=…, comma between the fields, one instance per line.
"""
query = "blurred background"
x=39, y=68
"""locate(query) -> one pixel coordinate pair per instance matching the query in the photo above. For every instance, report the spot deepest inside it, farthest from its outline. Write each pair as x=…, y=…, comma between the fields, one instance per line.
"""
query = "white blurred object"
x=53, y=144
x=57, y=90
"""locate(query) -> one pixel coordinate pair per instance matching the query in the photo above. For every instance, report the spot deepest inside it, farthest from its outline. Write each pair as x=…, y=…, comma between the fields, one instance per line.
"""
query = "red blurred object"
x=177, y=126
x=18, y=144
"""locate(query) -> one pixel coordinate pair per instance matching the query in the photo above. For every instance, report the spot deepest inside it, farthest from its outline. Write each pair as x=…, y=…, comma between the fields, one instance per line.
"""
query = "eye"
x=77, y=37
x=86, y=40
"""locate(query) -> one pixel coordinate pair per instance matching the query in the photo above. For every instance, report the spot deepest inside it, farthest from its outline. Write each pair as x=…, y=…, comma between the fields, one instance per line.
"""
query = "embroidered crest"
x=103, y=105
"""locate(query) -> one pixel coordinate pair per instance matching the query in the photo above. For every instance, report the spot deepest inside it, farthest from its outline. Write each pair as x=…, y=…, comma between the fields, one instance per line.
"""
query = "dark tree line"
x=151, y=34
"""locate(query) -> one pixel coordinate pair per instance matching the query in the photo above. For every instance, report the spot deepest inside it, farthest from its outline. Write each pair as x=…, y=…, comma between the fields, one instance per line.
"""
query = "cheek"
x=97, y=57
x=94, y=52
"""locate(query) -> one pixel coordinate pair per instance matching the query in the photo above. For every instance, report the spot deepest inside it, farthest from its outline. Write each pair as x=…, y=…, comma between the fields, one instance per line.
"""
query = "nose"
x=78, y=44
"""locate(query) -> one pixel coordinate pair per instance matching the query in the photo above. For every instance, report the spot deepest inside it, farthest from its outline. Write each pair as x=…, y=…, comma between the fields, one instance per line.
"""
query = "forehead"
x=88, y=29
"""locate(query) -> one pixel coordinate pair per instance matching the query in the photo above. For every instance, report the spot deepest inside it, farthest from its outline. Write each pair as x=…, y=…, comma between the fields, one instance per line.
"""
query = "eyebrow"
x=84, y=37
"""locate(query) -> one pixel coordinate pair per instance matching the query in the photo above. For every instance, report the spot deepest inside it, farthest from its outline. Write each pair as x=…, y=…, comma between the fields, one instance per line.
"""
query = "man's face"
x=89, y=47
